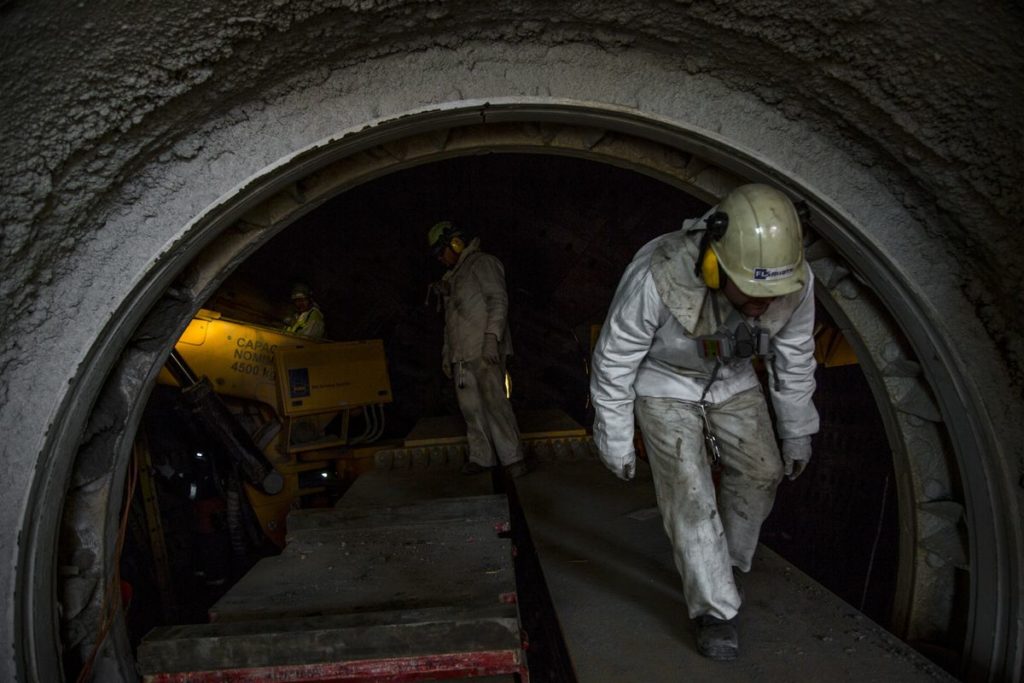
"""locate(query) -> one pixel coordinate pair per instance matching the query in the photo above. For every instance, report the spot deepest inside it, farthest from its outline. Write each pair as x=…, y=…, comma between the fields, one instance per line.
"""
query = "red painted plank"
x=393, y=670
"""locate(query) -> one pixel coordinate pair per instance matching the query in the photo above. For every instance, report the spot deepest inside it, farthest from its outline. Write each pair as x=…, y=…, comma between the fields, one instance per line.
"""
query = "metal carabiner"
x=710, y=441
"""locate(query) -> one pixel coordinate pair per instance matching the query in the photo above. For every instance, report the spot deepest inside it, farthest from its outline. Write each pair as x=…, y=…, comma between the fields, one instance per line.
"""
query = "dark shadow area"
x=190, y=534
x=547, y=655
x=838, y=522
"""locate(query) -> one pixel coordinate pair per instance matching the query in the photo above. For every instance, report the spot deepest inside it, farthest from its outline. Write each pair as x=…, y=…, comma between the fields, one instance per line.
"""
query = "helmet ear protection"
x=444, y=235
x=707, y=267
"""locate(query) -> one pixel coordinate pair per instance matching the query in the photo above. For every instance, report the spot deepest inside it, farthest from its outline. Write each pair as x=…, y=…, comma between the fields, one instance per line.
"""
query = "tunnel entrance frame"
x=937, y=439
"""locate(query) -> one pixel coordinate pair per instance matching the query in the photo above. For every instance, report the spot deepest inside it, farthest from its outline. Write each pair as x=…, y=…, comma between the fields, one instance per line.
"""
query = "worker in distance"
x=476, y=346
x=307, y=320
x=692, y=310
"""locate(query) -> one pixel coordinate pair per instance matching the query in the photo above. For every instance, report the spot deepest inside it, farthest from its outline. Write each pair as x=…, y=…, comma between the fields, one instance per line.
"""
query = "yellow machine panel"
x=325, y=377
x=237, y=357
x=832, y=350
x=311, y=393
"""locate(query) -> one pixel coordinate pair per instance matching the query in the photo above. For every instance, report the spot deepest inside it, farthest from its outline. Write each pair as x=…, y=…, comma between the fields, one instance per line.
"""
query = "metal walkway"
x=609, y=569
x=412, y=550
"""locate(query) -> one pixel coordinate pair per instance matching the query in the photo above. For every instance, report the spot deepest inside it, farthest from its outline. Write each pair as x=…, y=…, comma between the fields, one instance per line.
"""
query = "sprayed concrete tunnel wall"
x=128, y=127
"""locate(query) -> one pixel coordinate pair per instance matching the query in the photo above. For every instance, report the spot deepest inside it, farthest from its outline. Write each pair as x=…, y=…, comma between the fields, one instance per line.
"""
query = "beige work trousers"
x=711, y=537
x=491, y=427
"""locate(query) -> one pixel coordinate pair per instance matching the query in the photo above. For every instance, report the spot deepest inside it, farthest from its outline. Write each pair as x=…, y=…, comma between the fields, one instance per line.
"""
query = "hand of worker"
x=622, y=467
x=446, y=368
x=490, y=350
x=628, y=471
x=796, y=453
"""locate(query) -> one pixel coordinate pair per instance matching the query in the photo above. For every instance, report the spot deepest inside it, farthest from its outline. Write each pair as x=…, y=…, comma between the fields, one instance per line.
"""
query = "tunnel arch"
x=160, y=201
x=847, y=268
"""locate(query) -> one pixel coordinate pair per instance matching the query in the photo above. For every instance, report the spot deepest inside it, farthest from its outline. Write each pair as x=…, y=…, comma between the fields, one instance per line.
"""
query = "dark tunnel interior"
x=565, y=228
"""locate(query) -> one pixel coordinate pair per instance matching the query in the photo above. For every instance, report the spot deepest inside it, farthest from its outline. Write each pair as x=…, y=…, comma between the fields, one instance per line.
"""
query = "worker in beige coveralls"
x=476, y=345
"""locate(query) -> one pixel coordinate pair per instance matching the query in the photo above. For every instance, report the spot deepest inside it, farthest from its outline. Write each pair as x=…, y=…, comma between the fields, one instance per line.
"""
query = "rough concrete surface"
x=123, y=123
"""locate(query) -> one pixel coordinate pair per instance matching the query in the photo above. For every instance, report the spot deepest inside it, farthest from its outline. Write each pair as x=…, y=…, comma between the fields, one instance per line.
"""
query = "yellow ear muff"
x=457, y=245
x=709, y=269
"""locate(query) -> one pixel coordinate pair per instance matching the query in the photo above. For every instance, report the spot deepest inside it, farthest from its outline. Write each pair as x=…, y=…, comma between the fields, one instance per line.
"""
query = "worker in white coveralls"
x=476, y=345
x=692, y=310
x=308, y=320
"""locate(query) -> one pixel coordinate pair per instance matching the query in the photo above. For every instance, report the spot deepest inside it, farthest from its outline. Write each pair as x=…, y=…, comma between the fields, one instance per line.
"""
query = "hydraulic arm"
x=210, y=411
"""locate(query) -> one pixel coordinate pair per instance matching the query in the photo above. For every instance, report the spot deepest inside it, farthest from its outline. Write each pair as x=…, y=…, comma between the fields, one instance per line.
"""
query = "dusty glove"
x=796, y=453
x=446, y=368
x=490, y=350
x=623, y=467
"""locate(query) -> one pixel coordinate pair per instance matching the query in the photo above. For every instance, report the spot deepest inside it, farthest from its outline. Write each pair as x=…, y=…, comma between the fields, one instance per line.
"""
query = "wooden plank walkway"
x=436, y=644
x=410, y=591
x=382, y=566
x=404, y=485
x=488, y=509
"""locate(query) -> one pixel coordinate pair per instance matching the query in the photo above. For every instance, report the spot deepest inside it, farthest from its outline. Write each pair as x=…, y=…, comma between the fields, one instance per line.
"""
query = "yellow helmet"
x=760, y=245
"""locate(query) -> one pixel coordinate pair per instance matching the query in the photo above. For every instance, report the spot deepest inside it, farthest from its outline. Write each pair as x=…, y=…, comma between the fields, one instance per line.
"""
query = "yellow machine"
x=295, y=397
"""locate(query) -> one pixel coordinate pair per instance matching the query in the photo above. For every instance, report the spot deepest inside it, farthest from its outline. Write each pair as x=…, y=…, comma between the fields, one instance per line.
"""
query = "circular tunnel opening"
x=565, y=229
x=524, y=235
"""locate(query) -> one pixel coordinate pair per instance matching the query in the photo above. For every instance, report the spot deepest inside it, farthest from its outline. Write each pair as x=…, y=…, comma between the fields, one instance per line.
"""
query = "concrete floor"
x=609, y=569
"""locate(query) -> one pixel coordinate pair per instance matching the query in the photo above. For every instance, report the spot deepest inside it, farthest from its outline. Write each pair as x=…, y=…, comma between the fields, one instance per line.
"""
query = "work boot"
x=470, y=467
x=518, y=468
x=716, y=638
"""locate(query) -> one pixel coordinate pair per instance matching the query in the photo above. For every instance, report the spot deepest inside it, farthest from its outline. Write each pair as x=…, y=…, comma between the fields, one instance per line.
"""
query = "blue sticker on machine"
x=298, y=382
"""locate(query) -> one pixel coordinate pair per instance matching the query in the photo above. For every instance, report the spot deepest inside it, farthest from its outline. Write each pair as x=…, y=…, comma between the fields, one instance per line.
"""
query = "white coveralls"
x=647, y=360
x=476, y=304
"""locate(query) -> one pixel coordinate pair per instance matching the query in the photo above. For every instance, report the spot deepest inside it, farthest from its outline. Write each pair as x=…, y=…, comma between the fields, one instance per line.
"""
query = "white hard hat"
x=761, y=249
x=301, y=291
